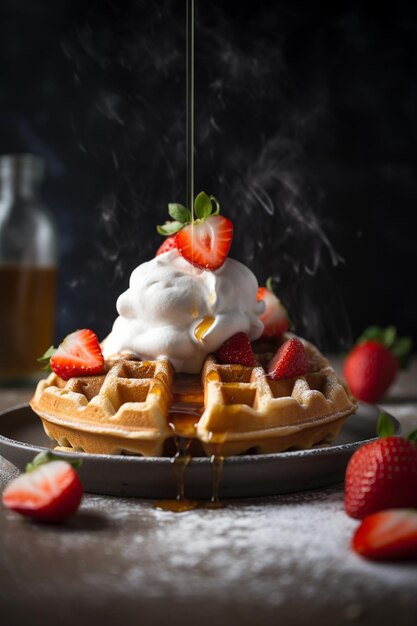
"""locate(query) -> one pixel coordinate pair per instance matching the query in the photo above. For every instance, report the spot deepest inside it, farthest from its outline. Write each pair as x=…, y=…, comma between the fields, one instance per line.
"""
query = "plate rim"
x=241, y=459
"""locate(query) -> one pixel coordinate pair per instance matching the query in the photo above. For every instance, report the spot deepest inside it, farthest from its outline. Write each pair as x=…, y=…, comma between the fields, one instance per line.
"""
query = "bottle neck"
x=22, y=190
x=20, y=177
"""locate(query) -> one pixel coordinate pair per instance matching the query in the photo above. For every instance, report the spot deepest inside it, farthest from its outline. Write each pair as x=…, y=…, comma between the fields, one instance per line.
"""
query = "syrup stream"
x=181, y=408
x=190, y=19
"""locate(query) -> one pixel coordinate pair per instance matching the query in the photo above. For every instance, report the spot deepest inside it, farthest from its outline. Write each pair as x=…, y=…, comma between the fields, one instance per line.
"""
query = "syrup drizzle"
x=217, y=461
x=179, y=464
x=203, y=327
x=188, y=393
x=189, y=113
x=184, y=414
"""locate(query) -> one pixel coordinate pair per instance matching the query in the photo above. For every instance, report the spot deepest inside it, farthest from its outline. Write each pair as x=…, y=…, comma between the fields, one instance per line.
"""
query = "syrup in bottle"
x=28, y=263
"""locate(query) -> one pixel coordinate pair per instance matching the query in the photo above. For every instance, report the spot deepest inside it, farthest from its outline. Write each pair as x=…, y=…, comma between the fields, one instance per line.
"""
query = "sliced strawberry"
x=275, y=317
x=78, y=355
x=236, y=349
x=290, y=360
x=167, y=245
x=206, y=244
x=50, y=493
x=387, y=535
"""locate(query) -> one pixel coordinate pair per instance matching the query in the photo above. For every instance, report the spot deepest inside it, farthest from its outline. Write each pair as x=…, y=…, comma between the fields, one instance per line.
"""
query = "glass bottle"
x=28, y=265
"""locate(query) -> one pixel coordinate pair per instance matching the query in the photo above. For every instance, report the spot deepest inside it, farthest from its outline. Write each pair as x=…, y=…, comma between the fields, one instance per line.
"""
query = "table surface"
x=255, y=561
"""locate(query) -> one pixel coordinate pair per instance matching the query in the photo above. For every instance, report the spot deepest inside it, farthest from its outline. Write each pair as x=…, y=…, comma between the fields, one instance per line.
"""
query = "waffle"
x=141, y=407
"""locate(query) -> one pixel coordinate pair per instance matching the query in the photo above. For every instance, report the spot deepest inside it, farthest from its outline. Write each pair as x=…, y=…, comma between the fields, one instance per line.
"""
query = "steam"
x=129, y=65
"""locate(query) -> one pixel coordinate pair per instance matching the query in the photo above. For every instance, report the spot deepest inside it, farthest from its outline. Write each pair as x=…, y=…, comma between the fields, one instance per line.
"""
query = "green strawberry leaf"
x=216, y=204
x=412, y=436
x=202, y=206
x=269, y=284
x=388, y=336
x=400, y=347
x=46, y=359
x=372, y=332
x=47, y=457
x=385, y=426
x=402, y=350
x=179, y=212
x=169, y=228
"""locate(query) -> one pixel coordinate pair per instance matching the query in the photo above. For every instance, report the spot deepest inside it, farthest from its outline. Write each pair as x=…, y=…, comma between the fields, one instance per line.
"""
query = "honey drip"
x=217, y=461
x=203, y=327
x=179, y=464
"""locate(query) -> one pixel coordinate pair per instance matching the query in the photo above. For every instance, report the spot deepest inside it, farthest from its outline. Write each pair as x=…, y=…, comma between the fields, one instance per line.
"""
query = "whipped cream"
x=175, y=310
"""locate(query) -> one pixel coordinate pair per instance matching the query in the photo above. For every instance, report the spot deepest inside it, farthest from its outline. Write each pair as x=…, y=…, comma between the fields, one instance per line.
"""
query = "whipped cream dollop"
x=176, y=310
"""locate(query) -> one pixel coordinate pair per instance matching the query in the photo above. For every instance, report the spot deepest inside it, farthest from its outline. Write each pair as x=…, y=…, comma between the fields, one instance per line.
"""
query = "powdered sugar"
x=267, y=549
x=269, y=554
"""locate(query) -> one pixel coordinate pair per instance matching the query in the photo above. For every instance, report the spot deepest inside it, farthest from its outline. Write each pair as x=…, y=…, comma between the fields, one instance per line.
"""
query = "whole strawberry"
x=381, y=474
x=372, y=365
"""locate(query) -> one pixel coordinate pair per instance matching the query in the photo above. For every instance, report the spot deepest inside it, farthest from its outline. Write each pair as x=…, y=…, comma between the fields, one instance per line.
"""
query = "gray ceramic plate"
x=22, y=436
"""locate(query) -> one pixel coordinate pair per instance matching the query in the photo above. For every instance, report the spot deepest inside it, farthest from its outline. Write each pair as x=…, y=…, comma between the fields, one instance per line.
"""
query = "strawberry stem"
x=47, y=457
x=400, y=347
x=46, y=358
x=204, y=207
x=385, y=426
x=412, y=436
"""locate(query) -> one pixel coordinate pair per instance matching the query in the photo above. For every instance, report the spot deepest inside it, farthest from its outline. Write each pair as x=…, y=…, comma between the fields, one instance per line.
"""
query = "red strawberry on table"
x=381, y=474
x=78, y=355
x=203, y=237
x=372, y=365
x=167, y=245
x=236, y=349
x=49, y=491
x=387, y=535
x=206, y=244
x=290, y=360
x=275, y=316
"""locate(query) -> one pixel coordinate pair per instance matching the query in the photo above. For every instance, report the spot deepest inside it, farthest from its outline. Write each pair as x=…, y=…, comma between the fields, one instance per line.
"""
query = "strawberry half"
x=167, y=245
x=206, y=244
x=387, y=535
x=236, y=349
x=381, y=474
x=51, y=492
x=78, y=355
x=275, y=317
x=290, y=360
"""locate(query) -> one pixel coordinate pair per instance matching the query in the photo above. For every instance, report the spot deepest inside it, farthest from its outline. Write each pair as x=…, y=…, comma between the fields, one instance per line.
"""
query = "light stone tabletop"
x=283, y=559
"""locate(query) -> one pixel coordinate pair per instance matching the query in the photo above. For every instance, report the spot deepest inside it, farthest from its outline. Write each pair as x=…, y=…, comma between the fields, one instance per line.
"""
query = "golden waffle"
x=140, y=407
x=246, y=410
x=122, y=411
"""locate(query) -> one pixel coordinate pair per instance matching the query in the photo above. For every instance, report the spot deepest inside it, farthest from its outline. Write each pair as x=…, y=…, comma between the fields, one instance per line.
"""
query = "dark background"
x=306, y=132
